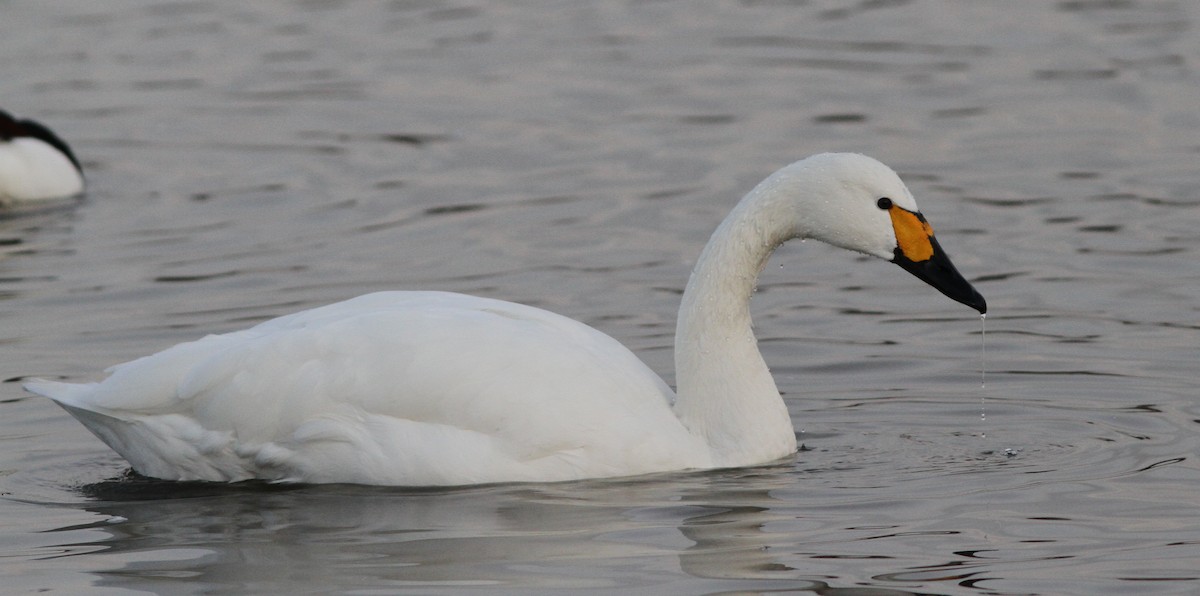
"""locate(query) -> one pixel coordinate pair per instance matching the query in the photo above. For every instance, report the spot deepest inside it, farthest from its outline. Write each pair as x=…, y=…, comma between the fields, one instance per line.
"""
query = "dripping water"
x=1008, y=451
x=982, y=351
x=983, y=373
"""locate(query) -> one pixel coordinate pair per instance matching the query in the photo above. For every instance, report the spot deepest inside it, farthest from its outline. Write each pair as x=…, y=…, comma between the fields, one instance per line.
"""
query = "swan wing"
x=415, y=388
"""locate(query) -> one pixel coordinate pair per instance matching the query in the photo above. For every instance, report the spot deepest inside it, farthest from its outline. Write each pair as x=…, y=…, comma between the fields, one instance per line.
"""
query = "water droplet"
x=982, y=372
x=982, y=351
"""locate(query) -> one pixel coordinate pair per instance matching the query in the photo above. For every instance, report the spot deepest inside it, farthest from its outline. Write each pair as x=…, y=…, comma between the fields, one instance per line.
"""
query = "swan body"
x=437, y=388
x=35, y=164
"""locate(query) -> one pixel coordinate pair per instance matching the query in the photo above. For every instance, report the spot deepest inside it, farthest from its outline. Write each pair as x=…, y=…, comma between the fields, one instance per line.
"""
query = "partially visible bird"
x=35, y=164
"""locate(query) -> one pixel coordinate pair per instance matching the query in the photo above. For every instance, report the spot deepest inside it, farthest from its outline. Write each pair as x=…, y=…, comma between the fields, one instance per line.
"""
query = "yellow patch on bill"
x=912, y=234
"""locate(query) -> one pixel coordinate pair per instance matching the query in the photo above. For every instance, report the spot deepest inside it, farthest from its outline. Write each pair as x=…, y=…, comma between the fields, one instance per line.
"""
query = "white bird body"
x=388, y=388
x=35, y=164
x=436, y=388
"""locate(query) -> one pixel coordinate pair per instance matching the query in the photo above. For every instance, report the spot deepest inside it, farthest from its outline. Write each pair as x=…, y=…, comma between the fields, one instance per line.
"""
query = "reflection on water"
x=604, y=535
x=766, y=529
x=248, y=160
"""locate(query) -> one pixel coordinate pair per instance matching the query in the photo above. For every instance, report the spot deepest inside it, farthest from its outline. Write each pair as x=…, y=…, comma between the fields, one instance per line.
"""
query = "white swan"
x=434, y=388
x=34, y=163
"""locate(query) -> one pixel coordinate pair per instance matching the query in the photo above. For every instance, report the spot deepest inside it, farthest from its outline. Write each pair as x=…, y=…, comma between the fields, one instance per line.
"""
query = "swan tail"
x=65, y=394
x=76, y=399
x=167, y=446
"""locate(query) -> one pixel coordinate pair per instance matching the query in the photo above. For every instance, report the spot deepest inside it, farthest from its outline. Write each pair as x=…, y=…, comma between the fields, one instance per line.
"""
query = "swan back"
x=415, y=388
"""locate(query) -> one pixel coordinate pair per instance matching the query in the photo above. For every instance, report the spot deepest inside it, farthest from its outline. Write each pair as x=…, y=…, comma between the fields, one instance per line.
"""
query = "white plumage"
x=436, y=388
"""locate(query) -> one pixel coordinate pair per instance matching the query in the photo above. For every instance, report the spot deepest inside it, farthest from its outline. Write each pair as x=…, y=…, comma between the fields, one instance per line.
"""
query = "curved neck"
x=725, y=393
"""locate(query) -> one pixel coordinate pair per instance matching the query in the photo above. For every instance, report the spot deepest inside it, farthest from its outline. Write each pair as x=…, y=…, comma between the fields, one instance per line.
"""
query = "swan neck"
x=725, y=393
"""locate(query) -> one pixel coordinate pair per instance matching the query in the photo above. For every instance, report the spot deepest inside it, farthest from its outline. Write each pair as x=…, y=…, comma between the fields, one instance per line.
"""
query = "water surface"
x=250, y=160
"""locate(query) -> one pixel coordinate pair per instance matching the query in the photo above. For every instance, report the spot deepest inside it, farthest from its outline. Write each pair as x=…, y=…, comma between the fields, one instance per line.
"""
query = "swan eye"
x=884, y=203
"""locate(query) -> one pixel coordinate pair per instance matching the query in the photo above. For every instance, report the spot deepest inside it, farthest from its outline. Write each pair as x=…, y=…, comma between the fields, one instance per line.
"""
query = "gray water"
x=247, y=160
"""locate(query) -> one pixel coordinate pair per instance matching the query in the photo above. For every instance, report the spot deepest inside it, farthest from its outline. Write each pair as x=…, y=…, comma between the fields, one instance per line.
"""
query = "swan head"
x=855, y=202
